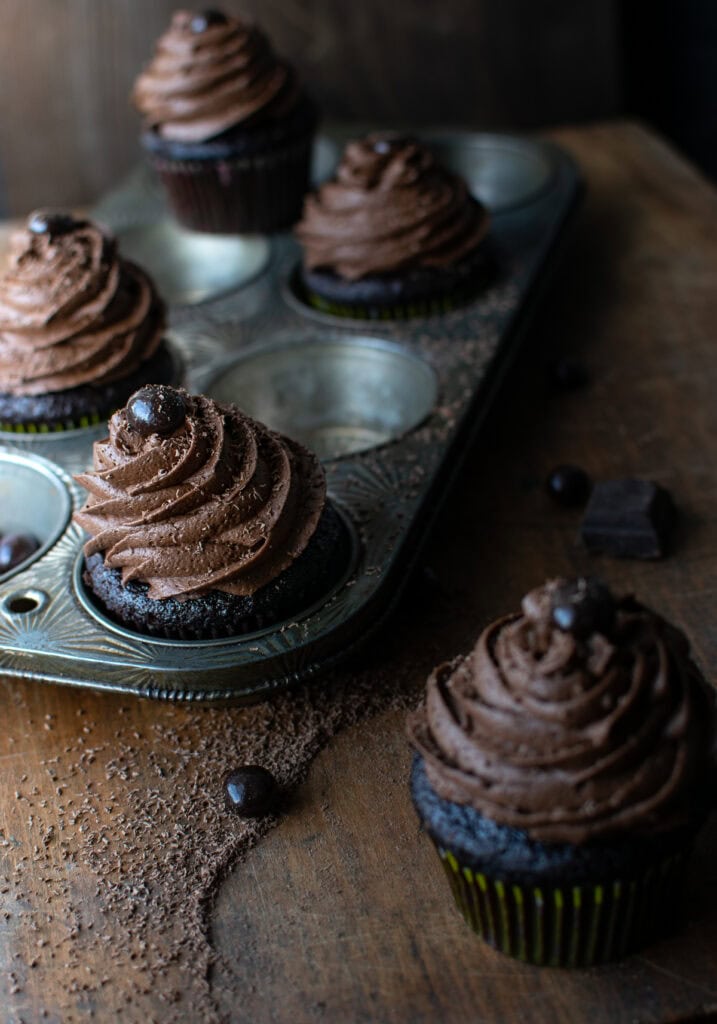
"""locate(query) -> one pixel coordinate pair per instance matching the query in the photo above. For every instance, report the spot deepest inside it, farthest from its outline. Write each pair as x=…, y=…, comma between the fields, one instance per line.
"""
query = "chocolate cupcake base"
x=215, y=614
x=249, y=181
x=85, y=405
x=555, y=904
x=421, y=292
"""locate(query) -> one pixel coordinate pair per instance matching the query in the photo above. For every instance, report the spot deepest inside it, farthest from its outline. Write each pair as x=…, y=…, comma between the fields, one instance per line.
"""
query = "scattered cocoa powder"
x=118, y=838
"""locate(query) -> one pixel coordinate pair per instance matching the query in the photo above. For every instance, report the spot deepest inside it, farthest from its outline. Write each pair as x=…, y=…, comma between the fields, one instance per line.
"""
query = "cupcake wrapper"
x=243, y=195
x=404, y=311
x=90, y=420
x=567, y=925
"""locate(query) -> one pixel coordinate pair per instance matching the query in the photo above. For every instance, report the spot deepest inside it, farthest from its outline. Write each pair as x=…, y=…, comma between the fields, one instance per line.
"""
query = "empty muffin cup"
x=192, y=266
x=35, y=503
x=501, y=171
x=336, y=397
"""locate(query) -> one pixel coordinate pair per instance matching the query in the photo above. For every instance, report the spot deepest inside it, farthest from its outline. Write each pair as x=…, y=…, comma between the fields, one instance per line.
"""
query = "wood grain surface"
x=68, y=131
x=341, y=913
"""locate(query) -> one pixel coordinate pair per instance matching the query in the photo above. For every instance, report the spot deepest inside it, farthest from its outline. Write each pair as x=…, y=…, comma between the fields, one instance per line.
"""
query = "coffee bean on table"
x=568, y=485
x=250, y=791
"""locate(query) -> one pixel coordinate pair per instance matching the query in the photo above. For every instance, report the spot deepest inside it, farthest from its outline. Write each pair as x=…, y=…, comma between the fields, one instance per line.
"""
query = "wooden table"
x=341, y=913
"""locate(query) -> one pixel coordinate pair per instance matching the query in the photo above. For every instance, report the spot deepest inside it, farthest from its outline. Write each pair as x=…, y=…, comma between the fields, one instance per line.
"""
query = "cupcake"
x=562, y=771
x=393, y=234
x=227, y=126
x=204, y=523
x=80, y=328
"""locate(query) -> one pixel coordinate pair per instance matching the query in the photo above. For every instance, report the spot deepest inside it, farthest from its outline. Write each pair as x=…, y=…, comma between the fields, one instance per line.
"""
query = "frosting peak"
x=72, y=312
x=209, y=74
x=389, y=207
x=570, y=737
x=217, y=502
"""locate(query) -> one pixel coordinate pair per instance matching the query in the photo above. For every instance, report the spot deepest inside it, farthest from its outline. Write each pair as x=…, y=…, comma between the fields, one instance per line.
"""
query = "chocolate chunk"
x=156, y=409
x=568, y=485
x=250, y=791
x=582, y=607
x=628, y=519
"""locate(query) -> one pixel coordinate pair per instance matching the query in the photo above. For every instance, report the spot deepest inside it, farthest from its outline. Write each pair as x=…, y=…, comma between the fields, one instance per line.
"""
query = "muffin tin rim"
x=106, y=622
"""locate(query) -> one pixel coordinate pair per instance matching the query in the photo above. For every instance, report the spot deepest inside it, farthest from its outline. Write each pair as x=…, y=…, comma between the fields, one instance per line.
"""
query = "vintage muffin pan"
x=390, y=406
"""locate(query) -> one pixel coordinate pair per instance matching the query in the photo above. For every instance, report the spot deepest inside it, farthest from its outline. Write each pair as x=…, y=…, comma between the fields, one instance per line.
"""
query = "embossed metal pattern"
x=389, y=492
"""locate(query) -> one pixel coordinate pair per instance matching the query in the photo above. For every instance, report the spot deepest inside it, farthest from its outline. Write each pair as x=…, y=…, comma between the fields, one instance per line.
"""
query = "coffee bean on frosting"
x=201, y=22
x=583, y=606
x=51, y=222
x=250, y=791
x=388, y=143
x=156, y=409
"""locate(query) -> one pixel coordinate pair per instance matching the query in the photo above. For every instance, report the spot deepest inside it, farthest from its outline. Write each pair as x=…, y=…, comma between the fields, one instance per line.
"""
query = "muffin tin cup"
x=392, y=407
x=35, y=499
x=190, y=267
x=336, y=395
x=568, y=925
x=350, y=552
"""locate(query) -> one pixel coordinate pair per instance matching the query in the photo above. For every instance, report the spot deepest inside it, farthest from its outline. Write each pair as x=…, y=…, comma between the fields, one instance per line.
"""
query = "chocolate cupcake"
x=562, y=771
x=393, y=234
x=80, y=327
x=227, y=126
x=203, y=522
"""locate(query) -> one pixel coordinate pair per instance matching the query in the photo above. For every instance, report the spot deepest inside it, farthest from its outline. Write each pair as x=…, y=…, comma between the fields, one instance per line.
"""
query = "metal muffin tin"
x=389, y=405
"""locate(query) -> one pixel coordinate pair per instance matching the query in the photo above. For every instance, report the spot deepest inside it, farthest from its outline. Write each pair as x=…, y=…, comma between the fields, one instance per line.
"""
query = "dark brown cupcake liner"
x=568, y=925
x=253, y=194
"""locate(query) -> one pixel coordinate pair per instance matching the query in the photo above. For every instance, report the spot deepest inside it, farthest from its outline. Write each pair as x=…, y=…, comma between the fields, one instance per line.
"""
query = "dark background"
x=68, y=132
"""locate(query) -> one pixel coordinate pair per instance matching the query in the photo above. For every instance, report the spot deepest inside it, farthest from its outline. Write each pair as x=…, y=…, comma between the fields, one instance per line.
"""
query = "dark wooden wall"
x=67, y=130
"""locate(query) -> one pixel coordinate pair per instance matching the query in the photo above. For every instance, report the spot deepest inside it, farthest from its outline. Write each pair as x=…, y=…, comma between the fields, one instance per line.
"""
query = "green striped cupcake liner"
x=567, y=925
x=89, y=420
x=404, y=311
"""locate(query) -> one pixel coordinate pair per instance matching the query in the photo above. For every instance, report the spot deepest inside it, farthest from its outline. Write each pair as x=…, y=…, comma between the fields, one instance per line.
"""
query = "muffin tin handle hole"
x=24, y=602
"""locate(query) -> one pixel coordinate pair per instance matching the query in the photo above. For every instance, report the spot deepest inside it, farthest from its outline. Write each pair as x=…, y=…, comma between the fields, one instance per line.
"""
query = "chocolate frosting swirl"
x=570, y=739
x=199, y=84
x=390, y=207
x=72, y=312
x=221, y=503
